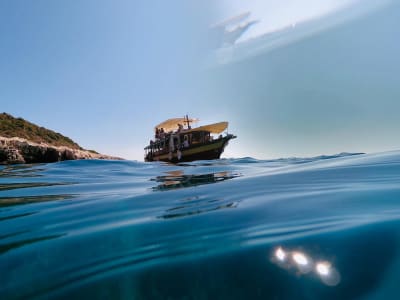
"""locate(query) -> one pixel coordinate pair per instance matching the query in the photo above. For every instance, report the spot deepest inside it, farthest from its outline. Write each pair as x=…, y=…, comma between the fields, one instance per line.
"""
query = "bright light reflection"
x=300, y=258
x=280, y=254
x=323, y=268
x=304, y=264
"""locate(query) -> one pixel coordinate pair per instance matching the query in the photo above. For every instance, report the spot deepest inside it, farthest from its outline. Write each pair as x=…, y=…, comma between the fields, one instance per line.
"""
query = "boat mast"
x=186, y=120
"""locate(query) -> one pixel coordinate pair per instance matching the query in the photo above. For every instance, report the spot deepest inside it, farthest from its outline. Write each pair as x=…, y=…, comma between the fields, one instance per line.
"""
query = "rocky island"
x=25, y=142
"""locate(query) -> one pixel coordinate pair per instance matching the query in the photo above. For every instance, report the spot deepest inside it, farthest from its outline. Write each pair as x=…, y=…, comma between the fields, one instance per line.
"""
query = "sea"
x=326, y=227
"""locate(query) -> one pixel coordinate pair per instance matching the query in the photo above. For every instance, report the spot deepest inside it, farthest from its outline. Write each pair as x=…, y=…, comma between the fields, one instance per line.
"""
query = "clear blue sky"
x=105, y=72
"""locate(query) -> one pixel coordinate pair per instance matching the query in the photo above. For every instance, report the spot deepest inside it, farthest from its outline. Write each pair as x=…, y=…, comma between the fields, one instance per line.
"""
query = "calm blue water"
x=318, y=228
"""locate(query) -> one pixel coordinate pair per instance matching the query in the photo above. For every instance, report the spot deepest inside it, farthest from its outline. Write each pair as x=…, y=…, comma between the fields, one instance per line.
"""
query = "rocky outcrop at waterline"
x=18, y=150
x=24, y=142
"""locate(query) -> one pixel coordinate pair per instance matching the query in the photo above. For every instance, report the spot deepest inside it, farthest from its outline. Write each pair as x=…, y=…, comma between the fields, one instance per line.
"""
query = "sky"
x=276, y=14
x=104, y=73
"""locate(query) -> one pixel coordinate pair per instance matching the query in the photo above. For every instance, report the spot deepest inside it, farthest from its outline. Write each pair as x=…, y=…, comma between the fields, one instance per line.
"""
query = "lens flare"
x=300, y=258
x=303, y=264
x=323, y=268
x=280, y=254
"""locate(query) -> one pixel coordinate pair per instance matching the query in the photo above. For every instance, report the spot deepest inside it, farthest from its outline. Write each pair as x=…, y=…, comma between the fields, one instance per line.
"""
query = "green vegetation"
x=18, y=127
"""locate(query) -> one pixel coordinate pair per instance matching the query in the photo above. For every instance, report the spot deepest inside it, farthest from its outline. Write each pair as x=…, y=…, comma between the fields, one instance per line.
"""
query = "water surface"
x=298, y=228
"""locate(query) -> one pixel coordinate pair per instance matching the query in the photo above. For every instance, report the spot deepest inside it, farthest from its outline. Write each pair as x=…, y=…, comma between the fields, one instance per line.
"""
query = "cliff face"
x=18, y=127
x=24, y=142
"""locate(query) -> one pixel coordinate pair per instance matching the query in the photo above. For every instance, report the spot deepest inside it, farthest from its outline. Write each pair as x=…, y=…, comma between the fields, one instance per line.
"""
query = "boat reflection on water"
x=194, y=204
x=303, y=264
x=177, y=179
x=197, y=205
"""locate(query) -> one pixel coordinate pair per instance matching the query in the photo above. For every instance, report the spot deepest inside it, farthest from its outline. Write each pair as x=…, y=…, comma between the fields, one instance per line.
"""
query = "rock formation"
x=24, y=142
x=18, y=150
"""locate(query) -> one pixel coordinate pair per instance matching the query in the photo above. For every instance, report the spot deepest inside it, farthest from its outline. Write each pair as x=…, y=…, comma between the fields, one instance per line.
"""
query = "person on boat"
x=180, y=128
x=162, y=133
x=185, y=142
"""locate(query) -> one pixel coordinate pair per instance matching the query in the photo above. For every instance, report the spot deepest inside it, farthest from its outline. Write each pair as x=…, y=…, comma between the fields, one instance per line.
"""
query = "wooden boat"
x=176, y=141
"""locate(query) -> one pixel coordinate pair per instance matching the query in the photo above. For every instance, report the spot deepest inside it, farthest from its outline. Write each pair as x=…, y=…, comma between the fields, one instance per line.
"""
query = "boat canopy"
x=212, y=128
x=172, y=124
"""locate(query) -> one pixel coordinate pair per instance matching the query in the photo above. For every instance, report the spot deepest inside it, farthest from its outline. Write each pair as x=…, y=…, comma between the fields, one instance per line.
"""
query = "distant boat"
x=176, y=141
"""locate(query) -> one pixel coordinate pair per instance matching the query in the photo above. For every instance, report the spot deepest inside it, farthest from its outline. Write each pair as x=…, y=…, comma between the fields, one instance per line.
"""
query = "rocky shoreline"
x=19, y=151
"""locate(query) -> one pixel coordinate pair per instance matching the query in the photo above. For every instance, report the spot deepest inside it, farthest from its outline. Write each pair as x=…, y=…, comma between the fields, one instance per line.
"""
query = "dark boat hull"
x=204, y=151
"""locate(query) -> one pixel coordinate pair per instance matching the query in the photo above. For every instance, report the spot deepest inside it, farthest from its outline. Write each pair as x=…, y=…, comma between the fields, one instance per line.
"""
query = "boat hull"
x=206, y=151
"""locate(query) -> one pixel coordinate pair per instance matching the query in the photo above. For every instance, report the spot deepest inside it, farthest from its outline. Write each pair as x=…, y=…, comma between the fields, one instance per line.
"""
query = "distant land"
x=24, y=142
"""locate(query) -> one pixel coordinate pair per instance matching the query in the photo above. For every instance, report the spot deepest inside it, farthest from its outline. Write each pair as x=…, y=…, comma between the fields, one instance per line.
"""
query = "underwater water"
x=316, y=228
